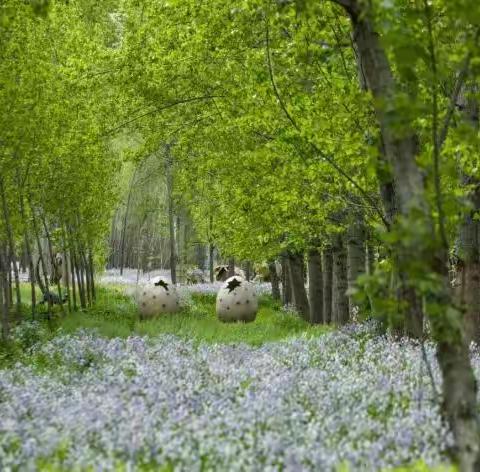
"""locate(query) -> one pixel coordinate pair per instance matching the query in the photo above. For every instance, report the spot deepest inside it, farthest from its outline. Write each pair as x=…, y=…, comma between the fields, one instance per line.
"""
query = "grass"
x=116, y=315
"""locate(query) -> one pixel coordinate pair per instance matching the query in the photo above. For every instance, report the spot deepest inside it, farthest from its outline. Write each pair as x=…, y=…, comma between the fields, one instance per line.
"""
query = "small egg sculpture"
x=237, y=300
x=157, y=297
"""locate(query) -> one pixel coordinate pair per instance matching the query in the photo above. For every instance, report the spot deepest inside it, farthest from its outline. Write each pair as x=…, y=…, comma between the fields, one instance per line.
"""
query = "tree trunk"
x=327, y=266
x=340, y=283
x=231, y=267
x=356, y=236
x=248, y=270
x=459, y=386
x=11, y=244
x=3, y=304
x=299, y=294
x=286, y=283
x=211, y=249
x=170, y=209
x=315, y=286
x=74, y=278
x=468, y=240
x=272, y=268
x=125, y=221
x=51, y=255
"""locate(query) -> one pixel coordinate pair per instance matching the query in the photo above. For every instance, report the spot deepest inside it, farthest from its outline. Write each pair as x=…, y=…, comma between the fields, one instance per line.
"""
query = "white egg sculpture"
x=237, y=300
x=157, y=297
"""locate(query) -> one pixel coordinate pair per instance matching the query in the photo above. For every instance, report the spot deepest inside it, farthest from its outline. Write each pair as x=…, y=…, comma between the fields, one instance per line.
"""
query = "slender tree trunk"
x=74, y=278
x=51, y=255
x=286, y=283
x=11, y=244
x=272, y=269
x=3, y=304
x=28, y=251
x=85, y=277
x=178, y=249
x=327, y=265
x=315, y=286
x=91, y=267
x=125, y=221
x=248, y=270
x=44, y=287
x=299, y=294
x=231, y=267
x=31, y=269
x=211, y=249
x=459, y=385
x=340, y=282
x=66, y=269
x=356, y=236
x=171, y=222
x=80, y=281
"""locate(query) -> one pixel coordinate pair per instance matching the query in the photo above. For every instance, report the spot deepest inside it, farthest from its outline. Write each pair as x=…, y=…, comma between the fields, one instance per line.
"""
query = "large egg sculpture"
x=237, y=300
x=157, y=297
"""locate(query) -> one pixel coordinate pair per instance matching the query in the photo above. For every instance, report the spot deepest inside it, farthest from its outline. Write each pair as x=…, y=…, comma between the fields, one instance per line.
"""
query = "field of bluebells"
x=164, y=403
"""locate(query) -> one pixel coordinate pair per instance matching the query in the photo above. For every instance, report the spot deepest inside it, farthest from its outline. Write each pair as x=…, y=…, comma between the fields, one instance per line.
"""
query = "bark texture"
x=327, y=265
x=272, y=269
x=299, y=294
x=315, y=286
x=340, y=283
x=400, y=145
x=356, y=261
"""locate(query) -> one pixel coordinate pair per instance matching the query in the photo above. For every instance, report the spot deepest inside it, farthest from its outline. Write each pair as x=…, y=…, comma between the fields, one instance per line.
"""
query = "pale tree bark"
x=299, y=294
x=327, y=266
x=315, y=285
x=340, y=283
x=459, y=385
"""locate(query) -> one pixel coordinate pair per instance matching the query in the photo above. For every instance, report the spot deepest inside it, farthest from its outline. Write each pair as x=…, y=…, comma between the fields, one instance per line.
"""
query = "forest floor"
x=101, y=389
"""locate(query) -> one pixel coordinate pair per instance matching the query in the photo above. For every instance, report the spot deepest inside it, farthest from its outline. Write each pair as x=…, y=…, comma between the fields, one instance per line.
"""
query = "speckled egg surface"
x=237, y=300
x=157, y=297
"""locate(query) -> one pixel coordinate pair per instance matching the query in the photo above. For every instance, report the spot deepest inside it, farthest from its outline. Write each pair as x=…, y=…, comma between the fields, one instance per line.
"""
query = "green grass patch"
x=116, y=315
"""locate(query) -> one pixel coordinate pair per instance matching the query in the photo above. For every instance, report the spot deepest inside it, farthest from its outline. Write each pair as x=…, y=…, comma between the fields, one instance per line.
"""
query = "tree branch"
x=272, y=78
x=462, y=75
x=157, y=110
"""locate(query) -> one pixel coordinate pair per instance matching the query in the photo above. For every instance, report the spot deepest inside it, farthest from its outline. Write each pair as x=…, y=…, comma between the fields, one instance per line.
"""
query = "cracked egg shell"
x=158, y=297
x=237, y=300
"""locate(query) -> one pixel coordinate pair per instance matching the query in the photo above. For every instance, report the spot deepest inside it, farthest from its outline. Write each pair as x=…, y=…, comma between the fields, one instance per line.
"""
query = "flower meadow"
x=347, y=397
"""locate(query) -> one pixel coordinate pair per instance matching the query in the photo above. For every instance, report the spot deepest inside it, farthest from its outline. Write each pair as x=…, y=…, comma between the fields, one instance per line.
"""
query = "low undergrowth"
x=115, y=315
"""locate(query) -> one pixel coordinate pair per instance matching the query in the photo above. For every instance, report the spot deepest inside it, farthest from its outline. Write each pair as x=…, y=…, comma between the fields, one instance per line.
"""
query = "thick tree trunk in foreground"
x=315, y=286
x=340, y=283
x=299, y=294
x=468, y=241
x=327, y=265
x=272, y=268
x=459, y=386
x=356, y=236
